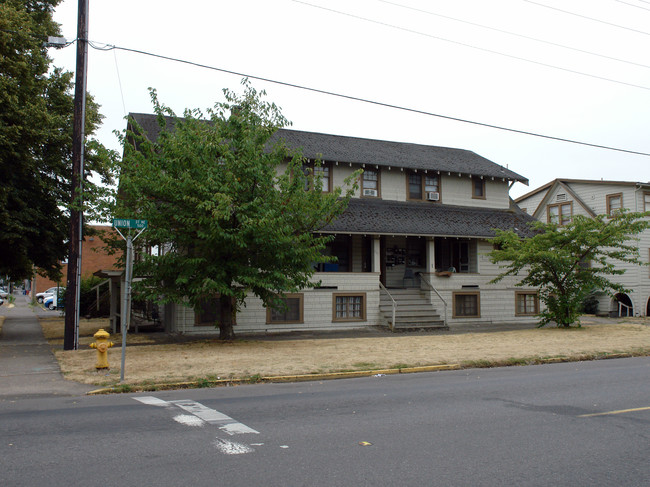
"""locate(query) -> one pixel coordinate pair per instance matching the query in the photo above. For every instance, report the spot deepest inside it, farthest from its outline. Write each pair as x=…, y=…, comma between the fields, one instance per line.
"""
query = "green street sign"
x=129, y=223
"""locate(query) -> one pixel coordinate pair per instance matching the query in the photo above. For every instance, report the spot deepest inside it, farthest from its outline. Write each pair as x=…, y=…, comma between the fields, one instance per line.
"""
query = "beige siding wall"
x=594, y=195
x=531, y=203
x=454, y=190
x=318, y=307
x=457, y=190
x=497, y=301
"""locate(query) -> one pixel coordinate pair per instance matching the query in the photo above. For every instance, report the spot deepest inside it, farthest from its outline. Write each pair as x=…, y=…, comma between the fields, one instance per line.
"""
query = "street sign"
x=129, y=223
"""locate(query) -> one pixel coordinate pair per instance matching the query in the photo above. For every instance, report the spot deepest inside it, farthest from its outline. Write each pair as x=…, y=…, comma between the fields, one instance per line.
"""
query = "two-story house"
x=561, y=199
x=411, y=248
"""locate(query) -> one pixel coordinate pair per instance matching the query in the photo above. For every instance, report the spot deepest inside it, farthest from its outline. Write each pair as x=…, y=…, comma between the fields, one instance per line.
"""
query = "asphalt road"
x=524, y=426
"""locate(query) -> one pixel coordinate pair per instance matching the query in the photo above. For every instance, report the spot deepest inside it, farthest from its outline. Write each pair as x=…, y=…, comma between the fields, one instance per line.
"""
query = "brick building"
x=93, y=258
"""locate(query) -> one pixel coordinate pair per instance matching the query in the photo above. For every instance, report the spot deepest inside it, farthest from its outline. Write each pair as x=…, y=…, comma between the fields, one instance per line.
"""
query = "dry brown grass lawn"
x=158, y=358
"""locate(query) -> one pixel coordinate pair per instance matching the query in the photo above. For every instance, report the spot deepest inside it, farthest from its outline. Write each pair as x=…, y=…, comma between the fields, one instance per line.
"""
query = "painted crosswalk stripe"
x=224, y=422
x=152, y=401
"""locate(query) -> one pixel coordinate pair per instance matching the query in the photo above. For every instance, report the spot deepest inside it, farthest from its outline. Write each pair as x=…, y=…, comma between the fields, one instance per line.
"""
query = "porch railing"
x=383, y=288
x=424, y=278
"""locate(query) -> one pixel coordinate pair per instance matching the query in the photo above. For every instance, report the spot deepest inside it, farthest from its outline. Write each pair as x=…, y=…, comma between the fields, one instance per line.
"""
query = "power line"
x=632, y=5
x=589, y=18
x=522, y=36
x=539, y=63
x=108, y=47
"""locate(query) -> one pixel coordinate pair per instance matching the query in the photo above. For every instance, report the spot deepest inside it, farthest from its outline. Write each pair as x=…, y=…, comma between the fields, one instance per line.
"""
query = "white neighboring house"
x=412, y=246
x=562, y=199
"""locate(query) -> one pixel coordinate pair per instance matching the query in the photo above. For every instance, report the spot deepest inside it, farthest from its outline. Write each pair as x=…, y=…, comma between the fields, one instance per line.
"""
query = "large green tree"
x=567, y=262
x=228, y=207
x=36, y=108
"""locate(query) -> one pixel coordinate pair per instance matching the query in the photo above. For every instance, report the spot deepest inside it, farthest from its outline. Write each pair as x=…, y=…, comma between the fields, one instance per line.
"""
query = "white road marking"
x=224, y=422
x=231, y=448
x=189, y=420
x=152, y=401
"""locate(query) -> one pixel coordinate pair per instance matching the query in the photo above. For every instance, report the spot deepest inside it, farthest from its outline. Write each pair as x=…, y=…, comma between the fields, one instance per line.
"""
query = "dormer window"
x=423, y=187
x=370, y=183
x=314, y=171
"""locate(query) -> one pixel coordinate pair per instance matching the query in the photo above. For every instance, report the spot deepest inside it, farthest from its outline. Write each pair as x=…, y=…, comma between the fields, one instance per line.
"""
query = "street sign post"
x=140, y=225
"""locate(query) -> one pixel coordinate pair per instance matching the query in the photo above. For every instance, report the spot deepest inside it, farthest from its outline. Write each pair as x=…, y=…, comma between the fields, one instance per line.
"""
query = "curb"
x=275, y=379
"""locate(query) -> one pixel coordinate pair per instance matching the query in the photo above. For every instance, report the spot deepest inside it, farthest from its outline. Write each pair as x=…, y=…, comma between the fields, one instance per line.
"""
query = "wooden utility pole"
x=71, y=331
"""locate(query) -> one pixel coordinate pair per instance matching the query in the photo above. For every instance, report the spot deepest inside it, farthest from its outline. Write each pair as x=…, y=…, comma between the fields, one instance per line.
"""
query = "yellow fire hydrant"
x=102, y=345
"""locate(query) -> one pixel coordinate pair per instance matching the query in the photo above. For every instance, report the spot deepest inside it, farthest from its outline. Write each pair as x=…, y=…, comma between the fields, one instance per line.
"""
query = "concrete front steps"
x=414, y=311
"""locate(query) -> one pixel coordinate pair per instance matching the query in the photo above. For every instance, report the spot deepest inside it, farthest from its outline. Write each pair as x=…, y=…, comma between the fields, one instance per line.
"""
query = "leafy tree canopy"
x=228, y=207
x=567, y=262
x=36, y=109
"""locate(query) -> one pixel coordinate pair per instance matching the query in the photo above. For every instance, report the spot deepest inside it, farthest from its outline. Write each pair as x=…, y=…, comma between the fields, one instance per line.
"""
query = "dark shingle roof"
x=395, y=154
x=370, y=216
x=356, y=150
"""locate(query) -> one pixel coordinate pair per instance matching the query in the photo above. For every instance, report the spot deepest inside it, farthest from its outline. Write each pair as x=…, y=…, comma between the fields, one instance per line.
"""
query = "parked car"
x=40, y=297
x=51, y=302
x=3, y=293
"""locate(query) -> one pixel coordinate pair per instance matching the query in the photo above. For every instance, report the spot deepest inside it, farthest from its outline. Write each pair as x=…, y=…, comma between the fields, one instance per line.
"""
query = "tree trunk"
x=227, y=313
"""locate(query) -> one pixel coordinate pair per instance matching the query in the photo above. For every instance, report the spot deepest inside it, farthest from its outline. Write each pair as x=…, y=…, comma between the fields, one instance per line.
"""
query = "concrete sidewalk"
x=27, y=365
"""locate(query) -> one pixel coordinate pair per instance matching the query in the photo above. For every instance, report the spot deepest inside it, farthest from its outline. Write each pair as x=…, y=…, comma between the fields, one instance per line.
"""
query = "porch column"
x=431, y=255
x=376, y=254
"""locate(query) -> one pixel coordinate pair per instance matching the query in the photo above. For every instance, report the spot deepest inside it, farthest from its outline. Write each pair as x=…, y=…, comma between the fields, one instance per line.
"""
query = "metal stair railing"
x=383, y=288
x=424, y=278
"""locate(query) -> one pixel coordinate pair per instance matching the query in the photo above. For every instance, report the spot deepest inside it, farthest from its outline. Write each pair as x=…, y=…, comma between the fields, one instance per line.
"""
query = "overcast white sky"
x=408, y=53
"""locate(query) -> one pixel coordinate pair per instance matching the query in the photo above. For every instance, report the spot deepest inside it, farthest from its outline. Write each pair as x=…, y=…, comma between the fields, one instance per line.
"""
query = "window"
x=314, y=171
x=208, y=312
x=341, y=248
x=560, y=213
x=349, y=307
x=456, y=255
x=467, y=304
x=526, y=303
x=478, y=189
x=614, y=204
x=423, y=187
x=646, y=201
x=370, y=183
x=292, y=312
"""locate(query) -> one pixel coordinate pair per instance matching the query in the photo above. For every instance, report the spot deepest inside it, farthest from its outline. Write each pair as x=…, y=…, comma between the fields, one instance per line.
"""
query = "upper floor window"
x=614, y=204
x=315, y=171
x=560, y=213
x=370, y=183
x=423, y=187
x=646, y=201
x=478, y=188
